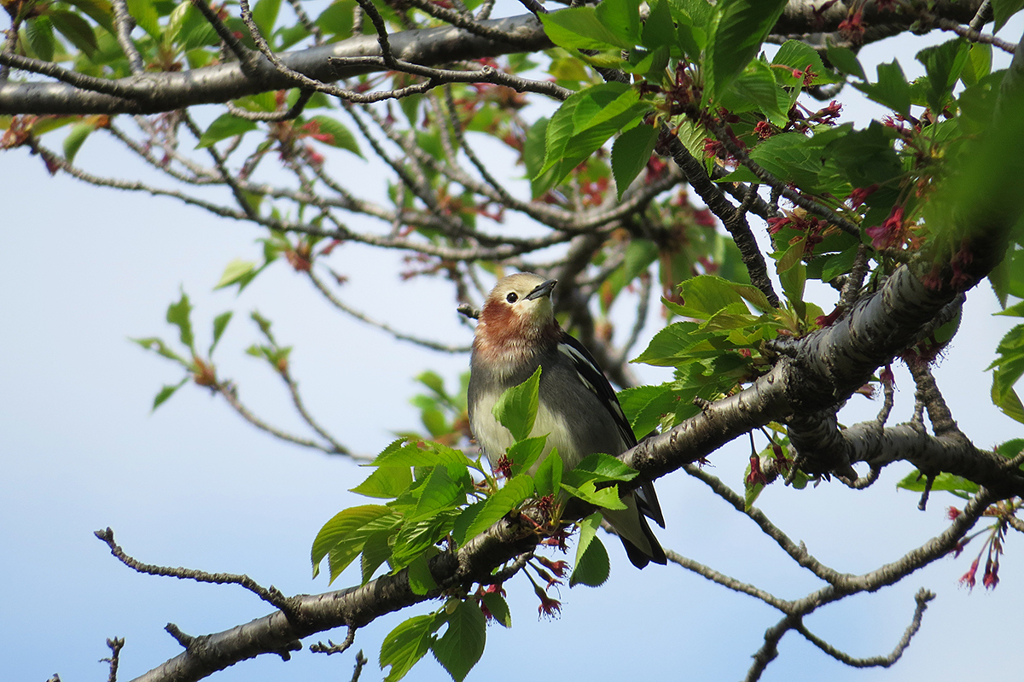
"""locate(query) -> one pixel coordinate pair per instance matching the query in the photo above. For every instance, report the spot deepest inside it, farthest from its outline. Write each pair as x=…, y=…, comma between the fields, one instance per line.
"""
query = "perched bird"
x=578, y=410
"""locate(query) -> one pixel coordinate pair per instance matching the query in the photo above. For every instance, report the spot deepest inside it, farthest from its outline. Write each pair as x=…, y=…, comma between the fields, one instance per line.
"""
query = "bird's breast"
x=495, y=439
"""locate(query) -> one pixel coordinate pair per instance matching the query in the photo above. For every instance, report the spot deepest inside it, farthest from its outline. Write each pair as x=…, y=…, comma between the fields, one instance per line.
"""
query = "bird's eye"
x=512, y=297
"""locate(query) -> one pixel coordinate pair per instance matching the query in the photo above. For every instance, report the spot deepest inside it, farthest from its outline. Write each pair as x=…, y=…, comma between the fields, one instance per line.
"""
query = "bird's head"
x=517, y=319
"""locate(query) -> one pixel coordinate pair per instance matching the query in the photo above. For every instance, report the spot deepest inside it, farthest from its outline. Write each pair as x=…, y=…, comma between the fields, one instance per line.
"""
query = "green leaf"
x=344, y=535
x=959, y=486
x=500, y=503
x=799, y=159
x=523, y=454
x=798, y=55
x=793, y=281
x=166, y=392
x=845, y=59
x=376, y=550
x=386, y=482
x=516, y=409
x=437, y=494
x=622, y=17
x=462, y=644
x=404, y=453
x=76, y=136
x=588, y=530
x=630, y=154
x=741, y=28
x=755, y=89
x=582, y=124
x=39, y=32
x=944, y=63
x=706, y=295
x=1008, y=368
x=265, y=15
x=76, y=29
x=659, y=29
x=465, y=519
x=333, y=132
x=337, y=19
x=978, y=65
x=498, y=607
x=420, y=579
x=601, y=468
x=644, y=406
x=158, y=346
x=179, y=314
x=237, y=271
x=592, y=566
x=220, y=323
x=1002, y=10
x=145, y=15
x=667, y=343
x=837, y=264
x=548, y=479
x=416, y=537
x=195, y=30
x=1010, y=448
x=579, y=28
x=223, y=127
x=99, y=11
x=434, y=382
x=407, y=644
x=607, y=498
x=891, y=90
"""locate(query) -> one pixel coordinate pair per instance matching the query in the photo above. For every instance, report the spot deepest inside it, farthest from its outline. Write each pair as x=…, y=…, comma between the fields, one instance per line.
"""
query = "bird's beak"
x=543, y=289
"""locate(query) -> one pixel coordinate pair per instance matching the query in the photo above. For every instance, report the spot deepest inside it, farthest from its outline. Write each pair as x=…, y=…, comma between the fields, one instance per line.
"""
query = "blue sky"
x=83, y=269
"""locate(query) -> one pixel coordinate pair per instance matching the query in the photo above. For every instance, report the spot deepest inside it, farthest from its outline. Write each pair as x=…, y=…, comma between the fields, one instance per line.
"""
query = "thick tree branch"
x=352, y=607
x=156, y=92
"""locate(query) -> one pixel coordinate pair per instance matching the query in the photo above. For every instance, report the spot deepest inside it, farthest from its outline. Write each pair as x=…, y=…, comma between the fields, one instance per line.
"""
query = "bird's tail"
x=636, y=534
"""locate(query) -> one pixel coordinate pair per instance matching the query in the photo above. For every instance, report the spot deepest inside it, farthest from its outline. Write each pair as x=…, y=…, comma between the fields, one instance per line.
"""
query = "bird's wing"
x=594, y=379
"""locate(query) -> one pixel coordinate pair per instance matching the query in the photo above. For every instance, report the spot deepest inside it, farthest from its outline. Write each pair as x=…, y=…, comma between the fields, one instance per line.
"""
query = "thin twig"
x=332, y=648
x=115, y=644
x=219, y=161
x=922, y=598
x=246, y=57
x=360, y=662
x=273, y=116
x=293, y=389
x=270, y=595
x=227, y=390
x=309, y=24
x=362, y=317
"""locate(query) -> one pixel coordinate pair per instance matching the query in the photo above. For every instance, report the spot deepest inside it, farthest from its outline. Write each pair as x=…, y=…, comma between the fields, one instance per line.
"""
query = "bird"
x=578, y=411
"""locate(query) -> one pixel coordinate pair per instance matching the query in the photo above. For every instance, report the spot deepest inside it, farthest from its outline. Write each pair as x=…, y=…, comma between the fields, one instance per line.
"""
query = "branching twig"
x=293, y=389
x=331, y=647
x=231, y=395
x=922, y=598
x=115, y=644
x=270, y=595
x=360, y=662
x=246, y=58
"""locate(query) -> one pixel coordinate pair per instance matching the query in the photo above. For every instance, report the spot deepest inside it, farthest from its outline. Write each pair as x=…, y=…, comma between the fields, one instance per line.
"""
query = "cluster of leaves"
x=437, y=497
x=197, y=368
x=699, y=73
x=200, y=369
x=713, y=352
